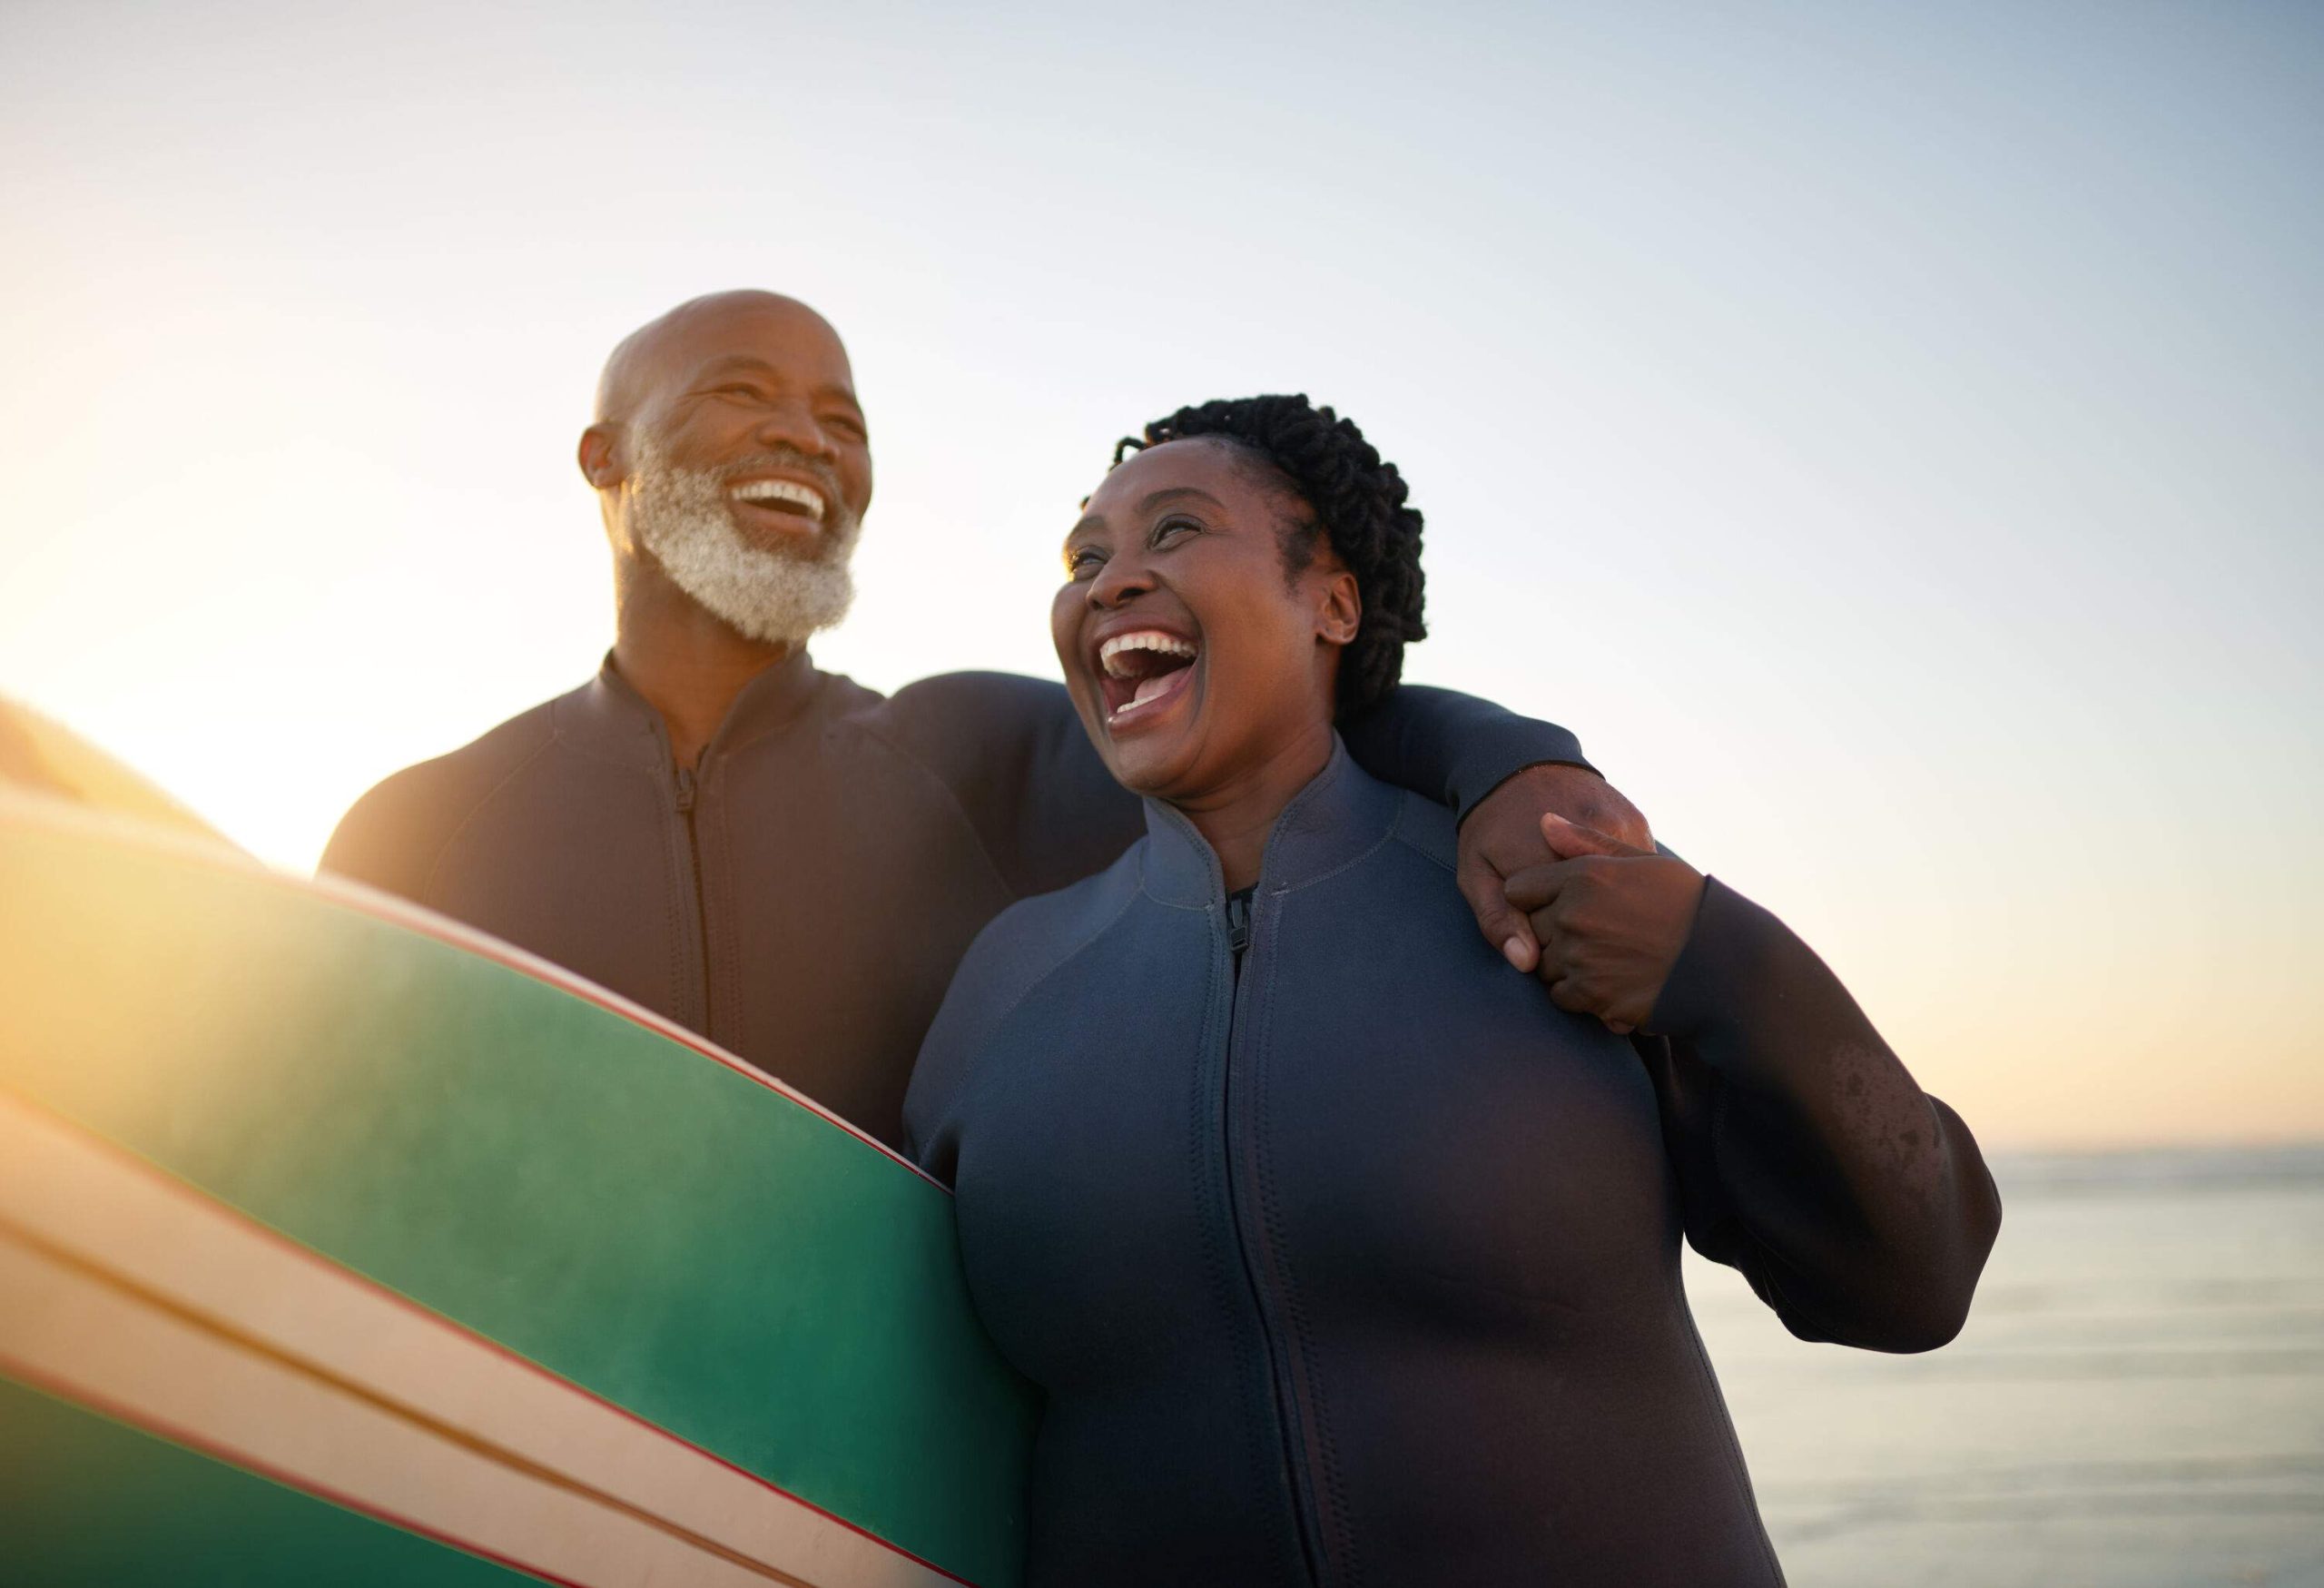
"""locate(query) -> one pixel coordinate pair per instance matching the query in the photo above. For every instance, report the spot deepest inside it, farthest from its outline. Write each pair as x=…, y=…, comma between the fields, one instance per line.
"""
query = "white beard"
x=684, y=518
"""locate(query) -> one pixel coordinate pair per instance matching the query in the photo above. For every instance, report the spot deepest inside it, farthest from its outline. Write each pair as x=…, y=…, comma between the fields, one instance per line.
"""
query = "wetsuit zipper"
x=1242, y=1173
x=687, y=787
x=1238, y=929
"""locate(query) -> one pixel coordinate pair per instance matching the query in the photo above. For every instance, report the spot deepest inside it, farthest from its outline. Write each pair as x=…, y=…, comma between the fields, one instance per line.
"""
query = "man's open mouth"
x=785, y=498
x=1141, y=670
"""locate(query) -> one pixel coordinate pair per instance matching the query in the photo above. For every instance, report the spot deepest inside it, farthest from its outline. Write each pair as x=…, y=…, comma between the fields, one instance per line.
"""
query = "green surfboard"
x=339, y=1243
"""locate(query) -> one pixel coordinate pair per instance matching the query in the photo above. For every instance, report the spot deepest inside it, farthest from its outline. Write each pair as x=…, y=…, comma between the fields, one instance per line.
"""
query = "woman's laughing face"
x=1193, y=649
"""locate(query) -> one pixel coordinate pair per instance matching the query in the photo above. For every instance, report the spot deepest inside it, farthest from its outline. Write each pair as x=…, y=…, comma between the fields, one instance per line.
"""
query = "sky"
x=1886, y=433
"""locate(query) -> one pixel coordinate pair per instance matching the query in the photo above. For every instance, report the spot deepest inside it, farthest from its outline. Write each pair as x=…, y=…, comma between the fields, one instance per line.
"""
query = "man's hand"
x=1503, y=836
x=1611, y=918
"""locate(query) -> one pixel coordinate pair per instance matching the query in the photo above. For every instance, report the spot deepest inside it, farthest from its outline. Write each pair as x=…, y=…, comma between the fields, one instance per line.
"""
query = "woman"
x=1342, y=1253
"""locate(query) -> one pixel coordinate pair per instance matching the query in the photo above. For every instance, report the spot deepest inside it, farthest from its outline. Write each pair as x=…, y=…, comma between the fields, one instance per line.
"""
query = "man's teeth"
x=1145, y=639
x=782, y=491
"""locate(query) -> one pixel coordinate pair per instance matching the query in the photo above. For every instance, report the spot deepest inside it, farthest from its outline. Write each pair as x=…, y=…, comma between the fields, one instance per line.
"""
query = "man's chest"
x=804, y=912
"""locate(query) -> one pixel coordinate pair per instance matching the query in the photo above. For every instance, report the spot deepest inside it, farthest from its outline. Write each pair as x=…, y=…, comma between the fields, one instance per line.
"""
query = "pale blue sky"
x=1886, y=433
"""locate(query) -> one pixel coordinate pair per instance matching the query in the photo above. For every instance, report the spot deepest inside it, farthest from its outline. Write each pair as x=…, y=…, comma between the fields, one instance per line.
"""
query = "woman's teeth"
x=1142, y=668
x=805, y=498
x=1145, y=639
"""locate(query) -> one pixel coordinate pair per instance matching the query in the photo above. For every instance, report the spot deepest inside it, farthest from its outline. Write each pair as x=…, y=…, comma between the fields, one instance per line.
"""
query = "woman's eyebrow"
x=1174, y=493
x=1163, y=498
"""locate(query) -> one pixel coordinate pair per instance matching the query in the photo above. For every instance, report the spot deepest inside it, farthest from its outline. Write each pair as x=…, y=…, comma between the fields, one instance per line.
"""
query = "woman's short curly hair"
x=1356, y=502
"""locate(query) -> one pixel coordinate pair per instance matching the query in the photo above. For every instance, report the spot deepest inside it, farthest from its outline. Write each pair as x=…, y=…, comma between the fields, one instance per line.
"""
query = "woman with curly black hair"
x=1341, y=1253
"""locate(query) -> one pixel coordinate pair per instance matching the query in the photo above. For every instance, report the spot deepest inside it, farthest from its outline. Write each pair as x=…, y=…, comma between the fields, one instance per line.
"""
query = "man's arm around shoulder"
x=1500, y=773
x=1013, y=752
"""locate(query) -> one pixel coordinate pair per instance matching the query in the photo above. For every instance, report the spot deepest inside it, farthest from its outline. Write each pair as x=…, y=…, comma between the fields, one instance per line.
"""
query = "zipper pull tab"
x=1238, y=923
x=686, y=790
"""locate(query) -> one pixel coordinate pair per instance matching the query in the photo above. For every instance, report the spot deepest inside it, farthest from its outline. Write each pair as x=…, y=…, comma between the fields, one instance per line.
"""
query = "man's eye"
x=846, y=425
x=748, y=393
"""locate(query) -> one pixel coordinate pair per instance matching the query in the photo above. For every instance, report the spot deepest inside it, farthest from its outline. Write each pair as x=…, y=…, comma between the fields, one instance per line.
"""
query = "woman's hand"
x=1610, y=918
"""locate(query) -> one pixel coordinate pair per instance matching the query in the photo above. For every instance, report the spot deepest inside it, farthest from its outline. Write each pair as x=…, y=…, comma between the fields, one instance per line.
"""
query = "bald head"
x=713, y=322
x=726, y=378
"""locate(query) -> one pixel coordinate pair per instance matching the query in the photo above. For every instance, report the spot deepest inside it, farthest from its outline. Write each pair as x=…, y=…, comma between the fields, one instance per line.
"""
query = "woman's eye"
x=1082, y=564
x=1170, y=529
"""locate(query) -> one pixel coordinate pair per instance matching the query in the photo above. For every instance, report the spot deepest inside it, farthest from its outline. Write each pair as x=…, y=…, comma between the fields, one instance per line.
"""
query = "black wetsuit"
x=1359, y=1262
x=801, y=895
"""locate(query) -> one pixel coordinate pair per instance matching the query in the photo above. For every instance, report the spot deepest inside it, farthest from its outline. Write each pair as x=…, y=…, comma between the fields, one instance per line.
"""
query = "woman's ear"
x=1342, y=609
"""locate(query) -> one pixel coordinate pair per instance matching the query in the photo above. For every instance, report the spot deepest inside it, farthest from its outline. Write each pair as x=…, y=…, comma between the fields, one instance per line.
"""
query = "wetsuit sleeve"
x=1452, y=748
x=1014, y=754
x=932, y=1136
x=388, y=838
x=929, y=1138
x=1857, y=1205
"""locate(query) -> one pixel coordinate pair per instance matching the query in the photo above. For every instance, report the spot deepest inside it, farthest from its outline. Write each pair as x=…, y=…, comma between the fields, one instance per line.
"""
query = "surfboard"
x=41, y=754
x=339, y=1242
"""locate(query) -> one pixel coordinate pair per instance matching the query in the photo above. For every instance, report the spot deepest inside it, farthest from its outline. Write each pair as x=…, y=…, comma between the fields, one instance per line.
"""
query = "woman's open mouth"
x=1142, y=671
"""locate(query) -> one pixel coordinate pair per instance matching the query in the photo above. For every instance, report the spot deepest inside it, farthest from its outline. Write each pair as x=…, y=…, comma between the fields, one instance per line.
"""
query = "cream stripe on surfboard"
x=70, y=1333
x=127, y=1289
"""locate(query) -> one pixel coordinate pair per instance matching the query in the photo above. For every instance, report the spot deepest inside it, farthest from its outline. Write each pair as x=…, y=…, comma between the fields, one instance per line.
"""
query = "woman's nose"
x=1122, y=578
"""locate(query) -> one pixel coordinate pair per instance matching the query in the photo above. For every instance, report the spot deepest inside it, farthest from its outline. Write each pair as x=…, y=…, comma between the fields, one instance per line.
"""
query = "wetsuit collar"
x=610, y=714
x=1341, y=814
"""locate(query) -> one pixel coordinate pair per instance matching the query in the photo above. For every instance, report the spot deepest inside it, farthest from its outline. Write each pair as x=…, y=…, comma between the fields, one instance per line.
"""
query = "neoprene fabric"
x=801, y=896
x=1362, y=1264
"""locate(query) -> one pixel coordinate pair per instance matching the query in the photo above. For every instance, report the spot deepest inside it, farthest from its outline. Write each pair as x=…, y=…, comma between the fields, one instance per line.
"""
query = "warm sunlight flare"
x=1958, y=636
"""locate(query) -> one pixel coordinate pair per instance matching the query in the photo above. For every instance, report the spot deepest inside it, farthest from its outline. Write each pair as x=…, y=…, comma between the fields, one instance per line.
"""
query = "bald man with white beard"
x=775, y=856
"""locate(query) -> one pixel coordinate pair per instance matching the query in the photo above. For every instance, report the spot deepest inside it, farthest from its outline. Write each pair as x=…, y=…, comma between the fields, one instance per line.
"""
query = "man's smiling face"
x=756, y=390
x=735, y=455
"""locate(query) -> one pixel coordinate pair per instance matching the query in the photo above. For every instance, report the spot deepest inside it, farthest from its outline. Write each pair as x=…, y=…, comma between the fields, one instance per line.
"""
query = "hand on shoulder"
x=1611, y=919
x=1503, y=836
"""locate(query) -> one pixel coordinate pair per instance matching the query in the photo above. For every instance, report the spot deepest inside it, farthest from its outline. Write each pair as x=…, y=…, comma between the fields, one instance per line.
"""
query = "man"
x=775, y=856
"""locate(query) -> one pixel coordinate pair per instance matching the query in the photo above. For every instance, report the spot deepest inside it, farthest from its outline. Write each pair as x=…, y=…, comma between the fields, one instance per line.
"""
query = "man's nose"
x=794, y=424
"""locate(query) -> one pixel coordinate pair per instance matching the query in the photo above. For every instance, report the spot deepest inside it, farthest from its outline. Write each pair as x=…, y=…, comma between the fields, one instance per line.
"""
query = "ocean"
x=2137, y=1401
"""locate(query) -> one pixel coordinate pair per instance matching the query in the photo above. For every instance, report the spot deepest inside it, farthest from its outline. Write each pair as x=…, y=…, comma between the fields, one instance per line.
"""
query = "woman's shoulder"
x=1030, y=940
x=1018, y=950
x=1426, y=828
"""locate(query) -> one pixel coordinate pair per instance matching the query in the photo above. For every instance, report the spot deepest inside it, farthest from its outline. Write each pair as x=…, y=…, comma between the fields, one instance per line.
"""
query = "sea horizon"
x=2137, y=1400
